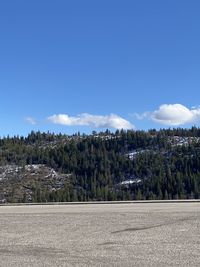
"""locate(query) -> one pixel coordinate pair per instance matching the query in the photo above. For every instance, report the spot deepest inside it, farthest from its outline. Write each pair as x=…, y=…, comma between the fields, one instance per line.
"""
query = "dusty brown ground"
x=154, y=234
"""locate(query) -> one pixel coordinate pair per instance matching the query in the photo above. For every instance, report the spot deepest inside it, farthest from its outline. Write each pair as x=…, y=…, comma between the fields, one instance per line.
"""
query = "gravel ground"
x=151, y=234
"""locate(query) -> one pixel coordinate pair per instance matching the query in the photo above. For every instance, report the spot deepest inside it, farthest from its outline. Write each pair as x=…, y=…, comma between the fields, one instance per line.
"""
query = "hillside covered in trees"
x=124, y=165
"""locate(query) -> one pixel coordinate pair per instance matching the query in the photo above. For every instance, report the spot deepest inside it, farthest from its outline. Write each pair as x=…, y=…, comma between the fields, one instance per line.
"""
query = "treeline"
x=98, y=163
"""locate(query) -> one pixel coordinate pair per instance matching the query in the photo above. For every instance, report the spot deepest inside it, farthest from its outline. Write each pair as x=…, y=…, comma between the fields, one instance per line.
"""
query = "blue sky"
x=69, y=66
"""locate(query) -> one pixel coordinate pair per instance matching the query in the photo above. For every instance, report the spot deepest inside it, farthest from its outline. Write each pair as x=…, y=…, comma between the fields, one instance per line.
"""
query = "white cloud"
x=173, y=115
x=31, y=120
x=97, y=121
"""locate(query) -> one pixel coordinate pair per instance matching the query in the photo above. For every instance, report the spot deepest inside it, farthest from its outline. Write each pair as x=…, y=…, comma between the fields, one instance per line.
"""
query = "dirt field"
x=151, y=234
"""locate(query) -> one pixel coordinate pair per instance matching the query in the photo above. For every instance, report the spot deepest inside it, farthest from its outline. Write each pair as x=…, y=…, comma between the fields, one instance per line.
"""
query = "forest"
x=121, y=165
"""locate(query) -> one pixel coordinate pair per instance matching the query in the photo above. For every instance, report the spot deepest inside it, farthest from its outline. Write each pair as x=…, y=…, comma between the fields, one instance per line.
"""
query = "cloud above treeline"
x=96, y=121
x=166, y=114
x=31, y=120
x=172, y=115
